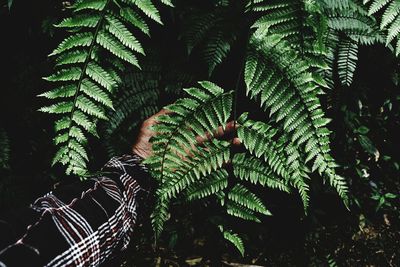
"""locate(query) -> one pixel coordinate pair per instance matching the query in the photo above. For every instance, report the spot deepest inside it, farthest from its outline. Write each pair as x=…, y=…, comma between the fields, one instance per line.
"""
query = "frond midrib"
x=85, y=65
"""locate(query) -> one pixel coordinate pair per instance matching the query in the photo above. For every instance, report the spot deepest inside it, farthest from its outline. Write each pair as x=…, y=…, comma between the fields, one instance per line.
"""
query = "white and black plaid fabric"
x=83, y=224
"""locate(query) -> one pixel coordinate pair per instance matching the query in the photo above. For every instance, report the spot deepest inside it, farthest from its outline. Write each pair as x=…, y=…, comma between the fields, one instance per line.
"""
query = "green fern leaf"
x=377, y=5
x=167, y=2
x=60, y=92
x=98, y=5
x=85, y=78
x=244, y=197
x=160, y=214
x=234, y=239
x=73, y=57
x=89, y=107
x=96, y=93
x=58, y=108
x=283, y=82
x=76, y=40
x=254, y=170
x=101, y=76
x=205, y=162
x=390, y=19
x=70, y=74
x=208, y=106
x=148, y=8
x=216, y=182
x=258, y=138
x=347, y=61
x=107, y=41
x=80, y=21
x=390, y=14
x=117, y=29
x=236, y=210
x=175, y=163
x=132, y=17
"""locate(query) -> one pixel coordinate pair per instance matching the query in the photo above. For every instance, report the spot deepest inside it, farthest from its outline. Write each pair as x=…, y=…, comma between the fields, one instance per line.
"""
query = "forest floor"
x=340, y=238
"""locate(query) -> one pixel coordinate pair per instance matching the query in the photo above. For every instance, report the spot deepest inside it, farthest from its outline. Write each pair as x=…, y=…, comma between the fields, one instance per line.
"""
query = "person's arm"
x=86, y=223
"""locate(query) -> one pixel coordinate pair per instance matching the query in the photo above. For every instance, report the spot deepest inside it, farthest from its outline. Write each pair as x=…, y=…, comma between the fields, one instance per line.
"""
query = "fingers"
x=152, y=120
x=220, y=132
x=236, y=141
x=229, y=128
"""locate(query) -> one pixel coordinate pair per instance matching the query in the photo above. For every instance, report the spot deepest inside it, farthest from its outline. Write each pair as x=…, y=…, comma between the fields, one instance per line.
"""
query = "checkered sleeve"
x=86, y=223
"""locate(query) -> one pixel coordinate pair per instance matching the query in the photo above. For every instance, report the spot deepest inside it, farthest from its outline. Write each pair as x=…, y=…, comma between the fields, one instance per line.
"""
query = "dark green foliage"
x=389, y=20
x=294, y=53
x=135, y=101
x=207, y=108
x=212, y=34
x=347, y=60
x=84, y=80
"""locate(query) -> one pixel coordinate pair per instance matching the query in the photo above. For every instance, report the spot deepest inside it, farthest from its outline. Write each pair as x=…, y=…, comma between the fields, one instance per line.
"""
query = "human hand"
x=143, y=146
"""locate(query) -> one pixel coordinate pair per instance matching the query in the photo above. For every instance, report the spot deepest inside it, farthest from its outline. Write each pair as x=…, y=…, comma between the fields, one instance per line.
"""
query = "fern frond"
x=167, y=3
x=147, y=7
x=347, y=61
x=242, y=196
x=199, y=27
x=215, y=182
x=93, y=91
x=377, y=5
x=390, y=14
x=116, y=28
x=68, y=74
x=73, y=57
x=356, y=24
x=298, y=177
x=188, y=172
x=160, y=214
x=80, y=21
x=135, y=19
x=209, y=33
x=109, y=43
x=89, y=4
x=60, y=92
x=138, y=95
x=208, y=107
x=295, y=21
x=282, y=156
x=236, y=210
x=217, y=49
x=390, y=20
x=234, y=239
x=258, y=138
x=176, y=163
x=85, y=80
x=330, y=57
x=204, y=163
x=251, y=169
x=77, y=40
x=284, y=84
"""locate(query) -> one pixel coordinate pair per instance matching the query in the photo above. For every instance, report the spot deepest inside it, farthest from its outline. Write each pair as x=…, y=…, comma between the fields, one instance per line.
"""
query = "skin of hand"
x=143, y=146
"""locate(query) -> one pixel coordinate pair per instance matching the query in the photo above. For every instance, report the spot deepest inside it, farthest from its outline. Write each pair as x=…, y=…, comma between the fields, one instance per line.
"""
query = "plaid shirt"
x=83, y=224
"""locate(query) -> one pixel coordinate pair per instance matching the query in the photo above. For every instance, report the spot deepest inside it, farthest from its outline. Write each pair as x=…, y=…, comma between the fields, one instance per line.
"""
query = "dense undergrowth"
x=361, y=96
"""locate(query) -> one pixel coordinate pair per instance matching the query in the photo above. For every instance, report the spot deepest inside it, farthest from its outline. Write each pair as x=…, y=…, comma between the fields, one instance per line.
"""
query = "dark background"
x=362, y=237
